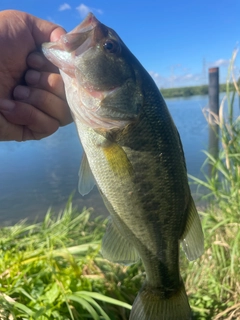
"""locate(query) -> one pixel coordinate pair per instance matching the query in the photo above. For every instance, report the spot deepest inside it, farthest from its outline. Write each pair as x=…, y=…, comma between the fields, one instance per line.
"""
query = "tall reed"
x=214, y=280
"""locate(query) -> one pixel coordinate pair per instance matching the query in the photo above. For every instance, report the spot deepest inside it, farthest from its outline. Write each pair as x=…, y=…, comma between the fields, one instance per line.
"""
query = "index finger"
x=44, y=31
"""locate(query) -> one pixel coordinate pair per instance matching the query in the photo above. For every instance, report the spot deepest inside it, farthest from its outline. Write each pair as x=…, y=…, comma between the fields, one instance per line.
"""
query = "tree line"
x=191, y=91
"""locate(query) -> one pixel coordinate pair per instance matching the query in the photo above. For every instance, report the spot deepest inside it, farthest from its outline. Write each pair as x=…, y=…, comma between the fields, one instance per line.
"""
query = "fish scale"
x=133, y=153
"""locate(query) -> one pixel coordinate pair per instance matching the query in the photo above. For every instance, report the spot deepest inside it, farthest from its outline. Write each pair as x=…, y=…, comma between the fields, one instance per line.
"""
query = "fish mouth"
x=62, y=52
x=76, y=38
x=65, y=54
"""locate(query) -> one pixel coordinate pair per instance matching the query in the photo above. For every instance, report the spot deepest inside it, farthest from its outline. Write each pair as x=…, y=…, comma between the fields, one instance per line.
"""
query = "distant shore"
x=191, y=91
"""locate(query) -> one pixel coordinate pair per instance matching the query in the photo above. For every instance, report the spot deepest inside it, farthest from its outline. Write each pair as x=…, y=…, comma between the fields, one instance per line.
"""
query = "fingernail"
x=21, y=92
x=6, y=105
x=32, y=77
x=35, y=60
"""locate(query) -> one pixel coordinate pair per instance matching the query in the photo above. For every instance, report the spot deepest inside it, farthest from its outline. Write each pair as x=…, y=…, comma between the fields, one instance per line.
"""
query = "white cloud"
x=180, y=76
x=177, y=80
x=156, y=77
x=84, y=10
x=189, y=79
x=188, y=76
x=219, y=63
x=64, y=7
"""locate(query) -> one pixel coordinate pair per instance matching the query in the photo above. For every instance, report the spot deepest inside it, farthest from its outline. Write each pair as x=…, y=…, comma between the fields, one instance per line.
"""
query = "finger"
x=44, y=101
x=9, y=131
x=50, y=82
x=44, y=31
x=28, y=122
x=36, y=60
x=14, y=132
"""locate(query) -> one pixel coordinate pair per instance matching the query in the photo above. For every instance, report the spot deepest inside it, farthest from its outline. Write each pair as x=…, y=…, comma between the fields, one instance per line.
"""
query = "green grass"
x=53, y=270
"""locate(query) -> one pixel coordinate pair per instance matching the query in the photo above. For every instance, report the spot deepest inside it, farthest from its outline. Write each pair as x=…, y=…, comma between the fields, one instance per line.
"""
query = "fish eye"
x=111, y=46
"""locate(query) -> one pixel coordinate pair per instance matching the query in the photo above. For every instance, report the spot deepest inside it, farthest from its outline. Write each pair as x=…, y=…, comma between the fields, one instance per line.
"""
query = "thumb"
x=45, y=31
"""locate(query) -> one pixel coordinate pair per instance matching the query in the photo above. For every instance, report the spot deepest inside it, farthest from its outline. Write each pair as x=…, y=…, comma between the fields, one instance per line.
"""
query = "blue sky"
x=176, y=41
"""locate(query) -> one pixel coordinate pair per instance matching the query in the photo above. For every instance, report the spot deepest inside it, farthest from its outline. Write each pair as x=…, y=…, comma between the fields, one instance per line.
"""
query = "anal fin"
x=193, y=239
x=116, y=247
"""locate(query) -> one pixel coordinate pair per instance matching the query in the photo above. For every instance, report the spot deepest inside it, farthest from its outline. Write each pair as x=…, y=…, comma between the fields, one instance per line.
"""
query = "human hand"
x=45, y=109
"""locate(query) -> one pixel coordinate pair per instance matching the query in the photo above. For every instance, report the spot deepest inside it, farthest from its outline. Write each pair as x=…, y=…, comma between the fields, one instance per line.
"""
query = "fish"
x=134, y=155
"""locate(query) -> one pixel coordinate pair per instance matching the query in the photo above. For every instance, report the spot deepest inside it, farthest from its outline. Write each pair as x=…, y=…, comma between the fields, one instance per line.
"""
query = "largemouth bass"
x=134, y=155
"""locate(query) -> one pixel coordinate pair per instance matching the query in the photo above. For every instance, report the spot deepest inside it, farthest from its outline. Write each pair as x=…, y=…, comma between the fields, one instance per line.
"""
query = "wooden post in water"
x=213, y=92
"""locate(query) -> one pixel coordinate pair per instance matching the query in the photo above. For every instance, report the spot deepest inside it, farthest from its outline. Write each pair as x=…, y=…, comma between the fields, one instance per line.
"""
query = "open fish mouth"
x=72, y=40
x=74, y=43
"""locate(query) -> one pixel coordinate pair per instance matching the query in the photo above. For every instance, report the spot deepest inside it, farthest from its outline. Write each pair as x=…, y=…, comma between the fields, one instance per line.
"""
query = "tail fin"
x=151, y=305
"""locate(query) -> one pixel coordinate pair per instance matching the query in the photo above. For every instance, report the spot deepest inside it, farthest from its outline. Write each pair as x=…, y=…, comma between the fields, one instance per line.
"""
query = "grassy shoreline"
x=53, y=270
x=191, y=91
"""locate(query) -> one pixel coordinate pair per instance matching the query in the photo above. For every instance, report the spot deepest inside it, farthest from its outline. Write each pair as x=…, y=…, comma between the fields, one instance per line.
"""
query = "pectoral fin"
x=193, y=239
x=117, y=248
x=117, y=160
x=86, y=178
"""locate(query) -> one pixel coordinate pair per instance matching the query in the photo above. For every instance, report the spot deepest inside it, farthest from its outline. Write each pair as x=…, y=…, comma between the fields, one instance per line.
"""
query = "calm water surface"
x=36, y=175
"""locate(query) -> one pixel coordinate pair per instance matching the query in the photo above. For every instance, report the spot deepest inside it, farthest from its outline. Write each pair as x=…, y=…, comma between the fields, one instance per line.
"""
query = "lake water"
x=36, y=175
